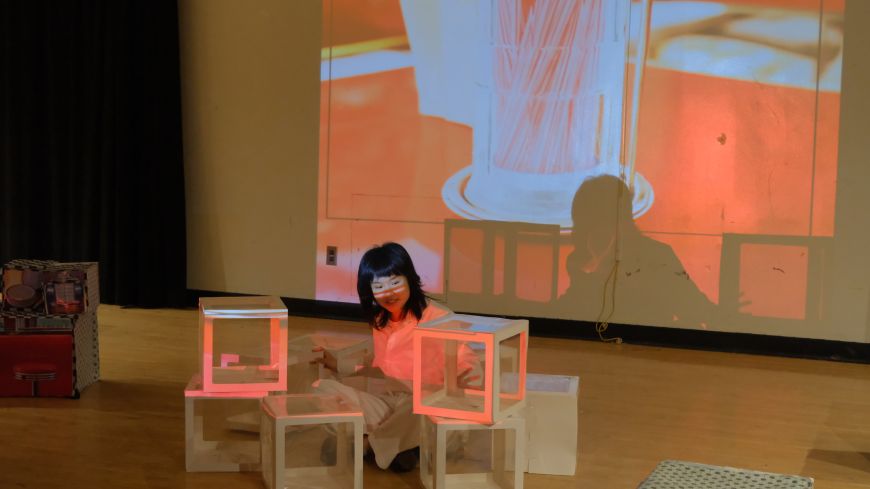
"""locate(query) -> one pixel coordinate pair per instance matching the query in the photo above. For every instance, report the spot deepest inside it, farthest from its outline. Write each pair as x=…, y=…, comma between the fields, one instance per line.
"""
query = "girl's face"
x=391, y=293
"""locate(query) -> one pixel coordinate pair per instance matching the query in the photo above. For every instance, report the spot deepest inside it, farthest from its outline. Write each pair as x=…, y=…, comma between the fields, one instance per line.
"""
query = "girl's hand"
x=327, y=360
x=465, y=379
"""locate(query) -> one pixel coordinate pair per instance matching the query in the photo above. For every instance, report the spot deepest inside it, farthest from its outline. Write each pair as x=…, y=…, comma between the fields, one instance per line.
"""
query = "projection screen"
x=666, y=163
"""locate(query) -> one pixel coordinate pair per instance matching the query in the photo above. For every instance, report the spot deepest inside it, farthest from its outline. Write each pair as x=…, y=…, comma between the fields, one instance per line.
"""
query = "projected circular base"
x=456, y=199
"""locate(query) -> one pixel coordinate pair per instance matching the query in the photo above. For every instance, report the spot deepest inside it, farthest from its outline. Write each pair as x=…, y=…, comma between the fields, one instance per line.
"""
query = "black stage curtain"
x=90, y=142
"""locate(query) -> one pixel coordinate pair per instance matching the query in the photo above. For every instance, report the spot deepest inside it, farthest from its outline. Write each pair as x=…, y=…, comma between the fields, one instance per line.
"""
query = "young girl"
x=394, y=303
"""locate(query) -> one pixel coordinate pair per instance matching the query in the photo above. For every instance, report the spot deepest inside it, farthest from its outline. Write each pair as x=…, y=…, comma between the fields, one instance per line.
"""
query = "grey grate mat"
x=674, y=474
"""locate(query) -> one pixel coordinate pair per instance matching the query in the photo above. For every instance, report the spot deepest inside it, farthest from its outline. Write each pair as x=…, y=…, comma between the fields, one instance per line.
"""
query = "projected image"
x=551, y=85
x=520, y=148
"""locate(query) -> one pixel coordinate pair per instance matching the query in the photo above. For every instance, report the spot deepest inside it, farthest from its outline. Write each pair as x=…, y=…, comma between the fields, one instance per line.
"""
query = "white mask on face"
x=392, y=293
x=384, y=286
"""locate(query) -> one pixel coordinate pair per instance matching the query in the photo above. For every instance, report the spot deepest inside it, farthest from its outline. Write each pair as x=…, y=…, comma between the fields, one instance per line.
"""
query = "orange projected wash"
x=736, y=132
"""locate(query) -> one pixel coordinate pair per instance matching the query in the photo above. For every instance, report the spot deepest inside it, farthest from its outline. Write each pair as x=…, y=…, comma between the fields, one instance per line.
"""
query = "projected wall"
x=667, y=163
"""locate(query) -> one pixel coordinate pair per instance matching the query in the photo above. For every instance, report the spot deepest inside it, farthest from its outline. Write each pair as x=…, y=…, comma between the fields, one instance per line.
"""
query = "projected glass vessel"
x=557, y=102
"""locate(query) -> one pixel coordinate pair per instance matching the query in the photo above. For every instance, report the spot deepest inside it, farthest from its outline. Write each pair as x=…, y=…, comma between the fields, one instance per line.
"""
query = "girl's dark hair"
x=383, y=261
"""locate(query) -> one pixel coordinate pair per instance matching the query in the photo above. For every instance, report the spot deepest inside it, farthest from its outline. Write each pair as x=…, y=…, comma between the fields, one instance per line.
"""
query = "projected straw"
x=542, y=63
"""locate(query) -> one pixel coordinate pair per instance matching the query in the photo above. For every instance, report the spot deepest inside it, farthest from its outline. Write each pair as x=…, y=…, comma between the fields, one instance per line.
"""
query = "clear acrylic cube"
x=213, y=443
x=242, y=344
x=349, y=350
x=311, y=441
x=457, y=454
x=470, y=367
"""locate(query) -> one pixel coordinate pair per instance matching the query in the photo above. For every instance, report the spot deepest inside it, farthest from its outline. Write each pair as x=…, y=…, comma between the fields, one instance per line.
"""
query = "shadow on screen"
x=617, y=273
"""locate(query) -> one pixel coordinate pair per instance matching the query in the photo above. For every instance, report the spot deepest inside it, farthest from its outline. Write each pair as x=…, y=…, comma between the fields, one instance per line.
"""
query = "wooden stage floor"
x=638, y=405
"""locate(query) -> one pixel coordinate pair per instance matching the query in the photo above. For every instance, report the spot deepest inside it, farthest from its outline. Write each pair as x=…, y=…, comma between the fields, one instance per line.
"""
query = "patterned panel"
x=25, y=264
x=87, y=351
x=674, y=474
x=24, y=322
x=92, y=280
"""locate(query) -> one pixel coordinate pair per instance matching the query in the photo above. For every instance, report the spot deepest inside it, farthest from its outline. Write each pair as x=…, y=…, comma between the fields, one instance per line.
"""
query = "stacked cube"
x=486, y=420
x=250, y=406
x=311, y=440
x=470, y=383
x=242, y=344
x=211, y=444
x=239, y=415
x=241, y=359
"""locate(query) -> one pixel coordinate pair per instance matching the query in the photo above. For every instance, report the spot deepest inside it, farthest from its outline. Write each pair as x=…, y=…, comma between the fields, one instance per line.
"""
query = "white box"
x=444, y=347
x=294, y=432
x=211, y=443
x=464, y=454
x=551, y=424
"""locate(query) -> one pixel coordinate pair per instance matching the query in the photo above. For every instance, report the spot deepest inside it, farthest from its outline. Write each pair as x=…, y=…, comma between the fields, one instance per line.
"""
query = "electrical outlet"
x=332, y=255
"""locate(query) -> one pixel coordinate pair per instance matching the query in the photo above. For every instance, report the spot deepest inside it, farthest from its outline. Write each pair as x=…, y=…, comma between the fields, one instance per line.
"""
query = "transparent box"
x=462, y=454
x=242, y=344
x=551, y=424
x=311, y=441
x=212, y=442
x=349, y=350
x=470, y=367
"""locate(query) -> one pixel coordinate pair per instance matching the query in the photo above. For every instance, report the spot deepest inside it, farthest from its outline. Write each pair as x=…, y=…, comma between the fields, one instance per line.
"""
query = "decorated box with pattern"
x=46, y=305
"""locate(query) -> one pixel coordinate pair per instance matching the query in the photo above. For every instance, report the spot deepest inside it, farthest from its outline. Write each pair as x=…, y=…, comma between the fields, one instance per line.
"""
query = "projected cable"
x=603, y=320
x=630, y=153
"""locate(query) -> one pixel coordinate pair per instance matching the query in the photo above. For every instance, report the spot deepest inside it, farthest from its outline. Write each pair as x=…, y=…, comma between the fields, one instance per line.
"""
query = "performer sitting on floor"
x=394, y=303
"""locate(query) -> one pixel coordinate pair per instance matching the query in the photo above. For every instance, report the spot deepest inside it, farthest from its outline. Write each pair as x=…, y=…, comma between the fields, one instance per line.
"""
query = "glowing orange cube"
x=243, y=344
x=470, y=367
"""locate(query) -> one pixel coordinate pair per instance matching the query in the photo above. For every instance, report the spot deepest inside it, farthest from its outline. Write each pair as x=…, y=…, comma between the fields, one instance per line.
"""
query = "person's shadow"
x=615, y=268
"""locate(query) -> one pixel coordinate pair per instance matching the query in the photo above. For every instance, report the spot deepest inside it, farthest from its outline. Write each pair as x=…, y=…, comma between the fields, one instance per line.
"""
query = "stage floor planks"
x=638, y=405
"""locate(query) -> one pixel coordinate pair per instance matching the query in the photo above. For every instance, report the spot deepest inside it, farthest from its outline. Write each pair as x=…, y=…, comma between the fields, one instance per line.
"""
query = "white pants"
x=391, y=424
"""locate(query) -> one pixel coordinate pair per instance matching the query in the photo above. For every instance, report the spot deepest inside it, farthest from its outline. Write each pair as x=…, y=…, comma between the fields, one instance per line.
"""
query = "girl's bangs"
x=378, y=270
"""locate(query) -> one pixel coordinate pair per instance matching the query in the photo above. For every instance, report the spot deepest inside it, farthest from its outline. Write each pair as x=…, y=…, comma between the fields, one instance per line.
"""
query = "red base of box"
x=50, y=351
